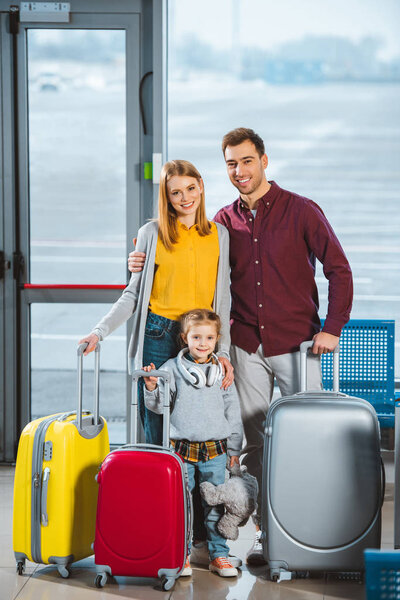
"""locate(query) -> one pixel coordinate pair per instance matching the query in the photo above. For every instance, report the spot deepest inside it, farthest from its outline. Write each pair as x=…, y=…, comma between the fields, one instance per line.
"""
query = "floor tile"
x=345, y=590
x=11, y=583
x=41, y=582
x=47, y=584
x=7, y=558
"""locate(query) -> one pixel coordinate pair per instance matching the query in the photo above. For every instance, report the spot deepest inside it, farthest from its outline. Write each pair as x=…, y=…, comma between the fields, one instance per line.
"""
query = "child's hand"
x=234, y=461
x=150, y=382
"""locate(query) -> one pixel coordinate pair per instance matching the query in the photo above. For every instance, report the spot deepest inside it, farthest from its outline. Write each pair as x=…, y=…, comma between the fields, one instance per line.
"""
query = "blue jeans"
x=161, y=342
x=213, y=471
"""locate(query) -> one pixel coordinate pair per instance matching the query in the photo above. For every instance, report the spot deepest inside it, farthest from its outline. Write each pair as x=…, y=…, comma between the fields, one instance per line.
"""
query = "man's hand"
x=234, y=461
x=150, y=382
x=136, y=260
x=91, y=341
x=324, y=342
x=228, y=372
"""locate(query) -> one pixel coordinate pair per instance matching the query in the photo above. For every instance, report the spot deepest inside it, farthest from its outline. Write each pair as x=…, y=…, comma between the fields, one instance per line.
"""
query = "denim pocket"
x=154, y=331
x=155, y=328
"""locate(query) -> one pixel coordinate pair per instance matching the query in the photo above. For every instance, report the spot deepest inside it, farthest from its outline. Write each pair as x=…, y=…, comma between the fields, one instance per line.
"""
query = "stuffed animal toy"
x=238, y=495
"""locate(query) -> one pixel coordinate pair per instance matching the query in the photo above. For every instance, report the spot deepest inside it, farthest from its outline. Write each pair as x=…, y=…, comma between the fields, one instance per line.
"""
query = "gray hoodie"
x=199, y=414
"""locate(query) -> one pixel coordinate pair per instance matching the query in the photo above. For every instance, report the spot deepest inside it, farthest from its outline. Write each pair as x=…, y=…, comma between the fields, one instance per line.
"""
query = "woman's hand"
x=150, y=382
x=228, y=372
x=91, y=340
x=136, y=260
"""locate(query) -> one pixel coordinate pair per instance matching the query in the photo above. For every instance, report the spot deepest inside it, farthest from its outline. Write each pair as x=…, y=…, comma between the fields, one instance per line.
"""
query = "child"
x=205, y=419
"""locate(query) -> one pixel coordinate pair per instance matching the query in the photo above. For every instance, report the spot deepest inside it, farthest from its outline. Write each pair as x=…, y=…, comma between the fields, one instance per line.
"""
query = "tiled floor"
x=41, y=582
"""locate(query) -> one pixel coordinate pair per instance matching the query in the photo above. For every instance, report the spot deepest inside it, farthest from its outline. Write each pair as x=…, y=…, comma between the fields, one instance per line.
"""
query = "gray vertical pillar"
x=9, y=342
x=160, y=78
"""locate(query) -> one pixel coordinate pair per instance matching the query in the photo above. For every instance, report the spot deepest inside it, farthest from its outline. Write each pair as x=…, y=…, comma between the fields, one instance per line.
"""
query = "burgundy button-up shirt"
x=272, y=256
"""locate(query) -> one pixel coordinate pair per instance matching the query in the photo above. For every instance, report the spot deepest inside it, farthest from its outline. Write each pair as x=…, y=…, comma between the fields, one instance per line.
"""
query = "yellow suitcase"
x=55, y=491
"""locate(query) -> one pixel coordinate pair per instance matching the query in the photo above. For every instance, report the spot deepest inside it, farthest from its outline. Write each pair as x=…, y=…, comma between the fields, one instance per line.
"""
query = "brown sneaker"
x=187, y=569
x=223, y=567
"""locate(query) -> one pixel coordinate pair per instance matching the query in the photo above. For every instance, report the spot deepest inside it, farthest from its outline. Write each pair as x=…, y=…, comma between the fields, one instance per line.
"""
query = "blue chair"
x=382, y=574
x=366, y=365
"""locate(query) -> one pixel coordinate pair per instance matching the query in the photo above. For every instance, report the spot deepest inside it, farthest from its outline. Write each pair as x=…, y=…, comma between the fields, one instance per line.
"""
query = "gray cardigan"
x=199, y=414
x=134, y=301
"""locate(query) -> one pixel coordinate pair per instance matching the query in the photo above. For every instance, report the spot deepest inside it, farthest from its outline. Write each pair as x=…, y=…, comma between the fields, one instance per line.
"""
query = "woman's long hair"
x=167, y=219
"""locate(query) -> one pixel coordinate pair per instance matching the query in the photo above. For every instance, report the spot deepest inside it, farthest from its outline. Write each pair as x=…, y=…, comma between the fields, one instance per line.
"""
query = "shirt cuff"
x=151, y=395
x=333, y=326
x=232, y=452
x=98, y=333
x=223, y=354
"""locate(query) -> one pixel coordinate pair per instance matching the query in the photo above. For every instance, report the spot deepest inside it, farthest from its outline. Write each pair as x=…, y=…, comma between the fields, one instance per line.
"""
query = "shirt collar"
x=267, y=200
x=189, y=357
x=185, y=227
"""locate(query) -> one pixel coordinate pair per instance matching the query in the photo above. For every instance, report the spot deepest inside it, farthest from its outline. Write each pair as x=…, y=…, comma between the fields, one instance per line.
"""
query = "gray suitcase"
x=323, y=481
x=397, y=476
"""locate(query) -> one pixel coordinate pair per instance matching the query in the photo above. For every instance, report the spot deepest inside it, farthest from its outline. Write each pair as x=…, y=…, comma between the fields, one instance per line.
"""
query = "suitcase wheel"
x=20, y=567
x=64, y=571
x=101, y=580
x=278, y=575
x=167, y=583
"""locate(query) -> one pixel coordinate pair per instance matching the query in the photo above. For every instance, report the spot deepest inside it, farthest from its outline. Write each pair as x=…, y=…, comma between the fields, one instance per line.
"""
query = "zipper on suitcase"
x=37, y=467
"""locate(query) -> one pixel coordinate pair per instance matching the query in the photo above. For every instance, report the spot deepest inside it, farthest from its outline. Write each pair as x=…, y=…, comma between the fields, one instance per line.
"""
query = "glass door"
x=76, y=157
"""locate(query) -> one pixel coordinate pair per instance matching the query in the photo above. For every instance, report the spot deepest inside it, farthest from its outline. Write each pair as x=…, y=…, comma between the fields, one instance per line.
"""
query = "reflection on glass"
x=322, y=89
x=77, y=165
x=55, y=332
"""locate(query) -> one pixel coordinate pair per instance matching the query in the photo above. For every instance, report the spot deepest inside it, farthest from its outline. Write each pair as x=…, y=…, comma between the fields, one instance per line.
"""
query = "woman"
x=187, y=267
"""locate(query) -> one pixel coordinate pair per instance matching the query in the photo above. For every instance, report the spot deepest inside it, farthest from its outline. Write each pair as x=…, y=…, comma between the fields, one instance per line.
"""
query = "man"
x=275, y=236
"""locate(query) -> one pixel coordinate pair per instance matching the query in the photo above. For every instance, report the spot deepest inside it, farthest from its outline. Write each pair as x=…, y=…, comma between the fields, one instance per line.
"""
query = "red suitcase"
x=143, y=520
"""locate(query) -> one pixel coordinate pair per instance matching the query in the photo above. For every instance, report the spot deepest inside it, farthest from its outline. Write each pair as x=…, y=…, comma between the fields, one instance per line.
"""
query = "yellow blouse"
x=185, y=277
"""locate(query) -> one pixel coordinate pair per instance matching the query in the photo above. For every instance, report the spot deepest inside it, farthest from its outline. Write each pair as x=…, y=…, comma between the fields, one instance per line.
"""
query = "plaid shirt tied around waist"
x=199, y=451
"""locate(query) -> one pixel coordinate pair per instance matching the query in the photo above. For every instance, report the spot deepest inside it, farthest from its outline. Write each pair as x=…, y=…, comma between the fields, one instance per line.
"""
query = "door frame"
x=145, y=25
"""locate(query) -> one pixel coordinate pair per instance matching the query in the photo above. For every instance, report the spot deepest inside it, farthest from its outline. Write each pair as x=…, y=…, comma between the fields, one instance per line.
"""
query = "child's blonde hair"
x=167, y=225
x=199, y=316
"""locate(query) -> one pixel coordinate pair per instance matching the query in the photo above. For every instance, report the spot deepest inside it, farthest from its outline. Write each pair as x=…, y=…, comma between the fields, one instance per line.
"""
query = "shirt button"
x=260, y=305
x=262, y=326
x=258, y=282
x=250, y=219
x=255, y=239
x=257, y=261
x=267, y=203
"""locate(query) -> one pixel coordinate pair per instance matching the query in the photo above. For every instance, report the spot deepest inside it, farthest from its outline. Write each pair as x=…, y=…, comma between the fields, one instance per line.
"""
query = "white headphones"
x=195, y=375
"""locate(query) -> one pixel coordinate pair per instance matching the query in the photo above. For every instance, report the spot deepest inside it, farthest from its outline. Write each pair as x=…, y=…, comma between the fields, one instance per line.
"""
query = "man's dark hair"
x=242, y=134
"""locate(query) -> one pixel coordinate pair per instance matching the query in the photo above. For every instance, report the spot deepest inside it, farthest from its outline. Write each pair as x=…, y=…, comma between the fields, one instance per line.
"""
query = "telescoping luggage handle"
x=80, y=351
x=304, y=347
x=136, y=375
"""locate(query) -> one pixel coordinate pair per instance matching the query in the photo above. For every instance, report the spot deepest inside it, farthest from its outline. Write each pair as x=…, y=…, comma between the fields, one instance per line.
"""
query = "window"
x=320, y=83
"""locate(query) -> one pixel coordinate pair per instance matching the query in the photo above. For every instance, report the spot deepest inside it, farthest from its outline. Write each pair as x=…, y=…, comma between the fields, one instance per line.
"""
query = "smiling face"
x=246, y=169
x=184, y=195
x=201, y=340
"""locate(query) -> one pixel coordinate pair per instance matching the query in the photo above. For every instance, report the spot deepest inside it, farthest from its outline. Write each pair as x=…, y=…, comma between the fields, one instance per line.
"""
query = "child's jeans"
x=213, y=471
x=161, y=342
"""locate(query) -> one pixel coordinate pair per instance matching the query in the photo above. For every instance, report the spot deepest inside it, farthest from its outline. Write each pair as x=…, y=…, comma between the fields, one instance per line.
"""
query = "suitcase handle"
x=44, y=519
x=136, y=375
x=304, y=347
x=80, y=350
